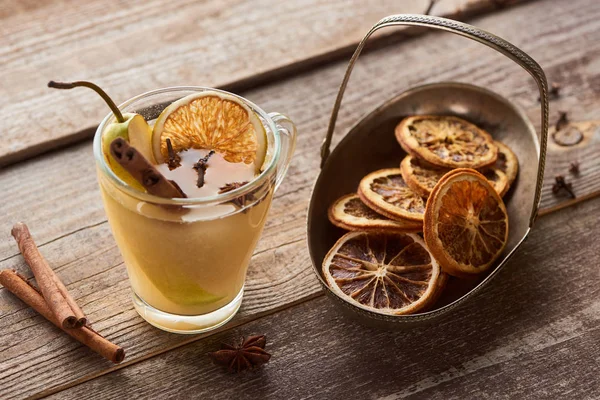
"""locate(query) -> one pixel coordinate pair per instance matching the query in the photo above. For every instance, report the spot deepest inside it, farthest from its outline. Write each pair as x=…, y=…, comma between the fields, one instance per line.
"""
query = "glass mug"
x=187, y=258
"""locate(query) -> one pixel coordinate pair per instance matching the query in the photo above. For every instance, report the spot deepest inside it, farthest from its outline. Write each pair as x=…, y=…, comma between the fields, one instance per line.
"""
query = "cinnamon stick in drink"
x=143, y=171
x=29, y=295
x=60, y=302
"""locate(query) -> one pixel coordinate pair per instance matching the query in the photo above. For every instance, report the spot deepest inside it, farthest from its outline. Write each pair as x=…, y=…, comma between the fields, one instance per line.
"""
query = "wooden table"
x=533, y=333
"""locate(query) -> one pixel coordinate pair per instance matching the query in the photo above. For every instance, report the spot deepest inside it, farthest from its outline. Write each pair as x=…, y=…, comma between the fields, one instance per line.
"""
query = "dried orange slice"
x=466, y=223
x=214, y=121
x=508, y=163
x=422, y=177
x=387, y=273
x=386, y=192
x=350, y=213
x=448, y=142
x=497, y=179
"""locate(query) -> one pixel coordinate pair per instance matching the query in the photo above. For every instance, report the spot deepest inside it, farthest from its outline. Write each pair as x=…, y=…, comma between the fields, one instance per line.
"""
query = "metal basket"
x=373, y=136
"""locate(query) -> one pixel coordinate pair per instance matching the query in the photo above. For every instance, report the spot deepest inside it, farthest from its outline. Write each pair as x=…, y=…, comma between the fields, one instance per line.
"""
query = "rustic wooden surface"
x=36, y=359
x=135, y=46
x=519, y=339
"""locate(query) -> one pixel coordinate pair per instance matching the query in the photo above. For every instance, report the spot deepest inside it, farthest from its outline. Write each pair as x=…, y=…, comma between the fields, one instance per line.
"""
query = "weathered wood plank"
x=105, y=296
x=88, y=260
x=533, y=333
x=308, y=99
x=585, y=182
x=136, y=46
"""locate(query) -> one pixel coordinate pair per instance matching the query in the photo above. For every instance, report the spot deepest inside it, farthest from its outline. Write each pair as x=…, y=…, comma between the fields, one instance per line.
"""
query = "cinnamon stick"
x=143, y=171
x=59, y=301
x=29, y=295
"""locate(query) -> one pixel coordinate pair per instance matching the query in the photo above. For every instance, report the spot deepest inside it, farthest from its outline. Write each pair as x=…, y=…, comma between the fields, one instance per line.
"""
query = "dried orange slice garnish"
x=466, y=223
x=214, y=121
x=386, y=192
x=387, y=273
x=350, y=213
x=422, y=177
x=448, y=142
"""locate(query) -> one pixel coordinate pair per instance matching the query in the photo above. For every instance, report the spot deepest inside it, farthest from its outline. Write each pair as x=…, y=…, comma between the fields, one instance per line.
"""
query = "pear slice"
x=189, y=294
x=177, y=286
x=138, y=133
x=131, y=127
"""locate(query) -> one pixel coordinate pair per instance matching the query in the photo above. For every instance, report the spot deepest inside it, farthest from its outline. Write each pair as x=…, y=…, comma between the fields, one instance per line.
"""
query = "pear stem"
x=96, y=88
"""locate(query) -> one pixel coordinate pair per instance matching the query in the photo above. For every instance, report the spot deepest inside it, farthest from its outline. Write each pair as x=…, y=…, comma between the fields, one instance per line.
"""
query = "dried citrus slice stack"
x=450, y=185
x=386, y=192
x=214, y=121
x=391, y=273
x=466, y=223
x=445, y=141
x=350, y=213
x=422, y=177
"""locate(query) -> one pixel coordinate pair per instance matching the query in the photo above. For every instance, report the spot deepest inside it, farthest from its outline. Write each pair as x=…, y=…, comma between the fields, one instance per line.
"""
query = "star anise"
x=249, y=354
x=238, y=201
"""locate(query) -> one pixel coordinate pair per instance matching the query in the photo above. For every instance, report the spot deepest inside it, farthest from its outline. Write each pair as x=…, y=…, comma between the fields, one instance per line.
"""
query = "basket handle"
x=471, y=32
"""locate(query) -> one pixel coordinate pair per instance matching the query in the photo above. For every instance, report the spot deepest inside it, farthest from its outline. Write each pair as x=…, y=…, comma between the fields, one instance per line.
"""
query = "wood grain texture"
x=102, y=290
x=586, y=182
x=534, y=333
x=136, y=46
x=308, y=100
x=68, y=220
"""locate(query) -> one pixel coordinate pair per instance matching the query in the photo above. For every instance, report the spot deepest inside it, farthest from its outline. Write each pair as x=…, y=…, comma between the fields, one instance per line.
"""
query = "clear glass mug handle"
x=288, y=133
